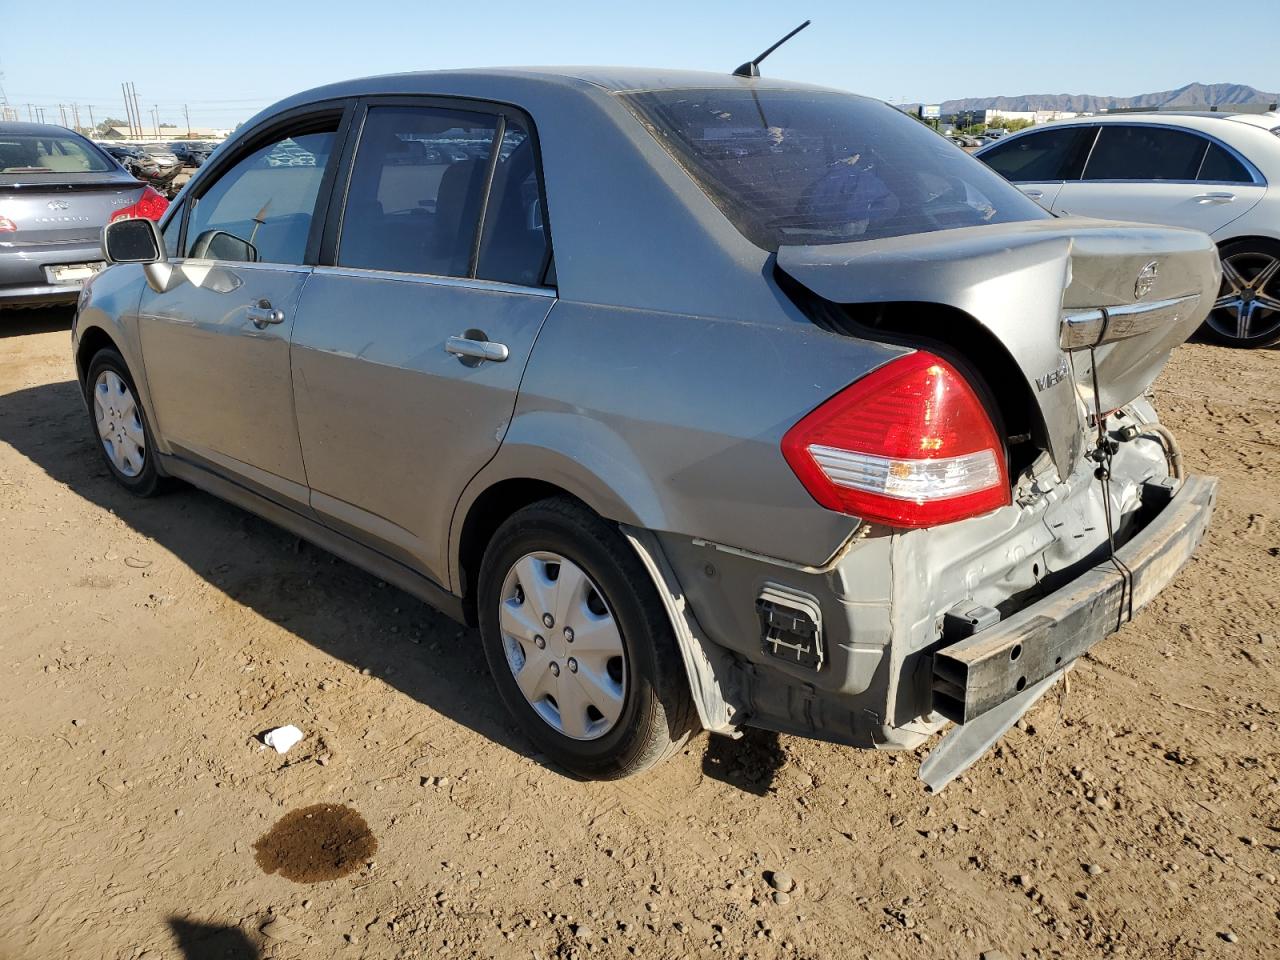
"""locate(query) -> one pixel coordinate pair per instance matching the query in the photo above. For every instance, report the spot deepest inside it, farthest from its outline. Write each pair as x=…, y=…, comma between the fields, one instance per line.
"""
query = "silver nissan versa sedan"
x=714, y=401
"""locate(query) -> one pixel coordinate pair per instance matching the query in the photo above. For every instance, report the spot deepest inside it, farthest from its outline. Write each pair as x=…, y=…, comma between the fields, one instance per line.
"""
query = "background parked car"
x=191, y=154
x=154, y=170
x=57, y=191
x=1215, y=172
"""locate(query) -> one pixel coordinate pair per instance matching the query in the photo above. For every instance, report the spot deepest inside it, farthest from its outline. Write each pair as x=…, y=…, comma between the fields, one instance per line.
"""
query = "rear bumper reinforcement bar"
x=981, y=672
x=987, y=681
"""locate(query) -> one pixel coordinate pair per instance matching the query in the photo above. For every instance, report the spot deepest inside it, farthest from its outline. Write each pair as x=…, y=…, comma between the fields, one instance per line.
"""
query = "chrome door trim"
x=489, y=286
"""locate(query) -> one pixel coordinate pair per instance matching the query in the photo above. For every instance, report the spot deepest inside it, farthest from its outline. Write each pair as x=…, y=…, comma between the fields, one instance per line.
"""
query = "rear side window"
x=1220, y=166
x=416, y=191
x=514, y=246
x=1145, y=153
x=261, y=209
x=1045, y=155
x=821, y=167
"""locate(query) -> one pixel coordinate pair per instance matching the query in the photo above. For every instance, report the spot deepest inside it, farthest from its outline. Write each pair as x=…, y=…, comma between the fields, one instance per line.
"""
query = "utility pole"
x=31, y=117
x=93, y=126
x=75, y=113
x=187, y=114
x=137, y=111
x=62, y=112
x=155, y=119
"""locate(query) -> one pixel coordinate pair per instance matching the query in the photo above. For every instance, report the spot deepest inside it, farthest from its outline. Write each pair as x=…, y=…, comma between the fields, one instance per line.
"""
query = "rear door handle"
x=1214, y=197
x=1034, y=194
x=465, y=348
x=262, y=314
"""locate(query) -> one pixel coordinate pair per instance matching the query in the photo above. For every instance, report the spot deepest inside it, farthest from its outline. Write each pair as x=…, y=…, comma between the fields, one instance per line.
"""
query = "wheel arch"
x=92, y=340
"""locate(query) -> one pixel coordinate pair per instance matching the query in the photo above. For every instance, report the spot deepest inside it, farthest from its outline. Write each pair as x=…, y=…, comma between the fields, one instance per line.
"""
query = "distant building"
x=166, y=134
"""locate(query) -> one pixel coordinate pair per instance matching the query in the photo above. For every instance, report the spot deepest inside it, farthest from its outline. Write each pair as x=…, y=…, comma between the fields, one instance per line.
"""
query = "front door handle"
x=262, y=314
x=1214, y=197
x=466, y=348
x=1034, y=194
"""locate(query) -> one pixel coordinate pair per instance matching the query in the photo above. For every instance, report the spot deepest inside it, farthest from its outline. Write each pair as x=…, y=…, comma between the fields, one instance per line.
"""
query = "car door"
x=413, y=334
x=215, y=340
x=1039, y=162
x=1159, y=174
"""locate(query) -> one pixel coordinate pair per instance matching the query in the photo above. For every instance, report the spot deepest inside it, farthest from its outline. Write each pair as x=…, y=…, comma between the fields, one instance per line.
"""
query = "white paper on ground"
x=282, y=738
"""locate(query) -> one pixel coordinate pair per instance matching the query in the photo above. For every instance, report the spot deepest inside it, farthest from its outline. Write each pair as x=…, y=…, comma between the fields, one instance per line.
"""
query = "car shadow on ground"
x=322, y=600
x=211, y=941
x=326, y=602
x=19, y=323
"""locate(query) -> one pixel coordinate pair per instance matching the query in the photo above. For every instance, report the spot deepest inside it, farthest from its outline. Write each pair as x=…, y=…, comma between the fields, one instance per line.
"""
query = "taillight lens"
x=909, y=445
x=7, y=225
x=150, y=206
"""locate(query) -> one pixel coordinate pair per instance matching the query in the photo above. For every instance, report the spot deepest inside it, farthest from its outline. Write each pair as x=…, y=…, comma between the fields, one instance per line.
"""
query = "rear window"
x=821, y=167
x=40, y=153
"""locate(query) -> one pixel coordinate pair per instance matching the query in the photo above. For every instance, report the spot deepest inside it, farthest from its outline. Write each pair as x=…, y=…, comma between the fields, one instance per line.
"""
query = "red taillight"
x=7, y=225
x=150, y=206
x=909, y=445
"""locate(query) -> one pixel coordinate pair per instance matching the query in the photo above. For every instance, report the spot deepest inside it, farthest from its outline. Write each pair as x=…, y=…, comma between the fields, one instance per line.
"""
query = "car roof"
x=47, y=129
x=1193, y=119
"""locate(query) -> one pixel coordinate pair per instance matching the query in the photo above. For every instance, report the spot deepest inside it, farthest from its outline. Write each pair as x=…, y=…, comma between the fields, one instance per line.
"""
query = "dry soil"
x=145, y=644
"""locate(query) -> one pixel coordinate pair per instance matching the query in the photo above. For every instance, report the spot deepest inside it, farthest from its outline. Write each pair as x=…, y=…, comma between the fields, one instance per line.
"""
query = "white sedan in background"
x=1216, y=172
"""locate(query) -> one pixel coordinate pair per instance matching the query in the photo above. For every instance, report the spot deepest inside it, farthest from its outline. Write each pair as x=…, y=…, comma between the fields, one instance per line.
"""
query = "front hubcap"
x=1248, y=305
x=584, y=699
x=119, y=423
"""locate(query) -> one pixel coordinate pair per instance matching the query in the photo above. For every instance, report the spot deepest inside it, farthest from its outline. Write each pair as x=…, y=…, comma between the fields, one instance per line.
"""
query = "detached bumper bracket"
x=997, y=664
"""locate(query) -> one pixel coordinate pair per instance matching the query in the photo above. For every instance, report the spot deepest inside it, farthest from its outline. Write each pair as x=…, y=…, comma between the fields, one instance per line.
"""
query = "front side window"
x=261, y=208
x=1141, y=152
x=1042, y=156
x=44, y=154
x=172, y=229
x=416, y=191
x=820, y=167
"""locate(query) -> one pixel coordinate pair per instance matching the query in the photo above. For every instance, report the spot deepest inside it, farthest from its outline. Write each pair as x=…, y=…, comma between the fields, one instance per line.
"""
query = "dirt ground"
x=144, y=644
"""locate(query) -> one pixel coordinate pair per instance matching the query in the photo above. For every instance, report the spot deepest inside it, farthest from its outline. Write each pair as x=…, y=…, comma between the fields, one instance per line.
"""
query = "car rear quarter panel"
x=673, y=423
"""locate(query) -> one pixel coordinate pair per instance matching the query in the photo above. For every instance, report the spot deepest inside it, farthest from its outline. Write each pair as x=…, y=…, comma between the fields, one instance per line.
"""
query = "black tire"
x=658, y=715
x=147, y=482
x=1249, y=257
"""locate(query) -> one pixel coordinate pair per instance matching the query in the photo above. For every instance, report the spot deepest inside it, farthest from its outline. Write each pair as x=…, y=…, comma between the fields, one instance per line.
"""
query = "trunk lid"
x=73, y=209
x=1053, y=292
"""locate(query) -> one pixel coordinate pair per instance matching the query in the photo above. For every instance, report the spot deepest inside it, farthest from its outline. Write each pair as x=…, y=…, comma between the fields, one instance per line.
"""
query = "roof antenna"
x=752, y=67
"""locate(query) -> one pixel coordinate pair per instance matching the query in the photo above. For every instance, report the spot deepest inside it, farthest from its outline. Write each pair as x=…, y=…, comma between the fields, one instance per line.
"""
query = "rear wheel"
x=579, y=642
x=1247, y=311
x=120, y=424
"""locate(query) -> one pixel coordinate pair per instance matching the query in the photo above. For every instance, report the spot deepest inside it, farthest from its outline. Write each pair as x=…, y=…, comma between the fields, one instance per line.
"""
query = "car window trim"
x=268, y=131
x=434, y=279
x=337, y=205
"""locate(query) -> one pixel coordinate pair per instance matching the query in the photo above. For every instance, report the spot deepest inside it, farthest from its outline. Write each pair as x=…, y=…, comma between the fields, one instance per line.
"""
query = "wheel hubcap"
x=580, y=696
x=119, y=423
x=1248, y=305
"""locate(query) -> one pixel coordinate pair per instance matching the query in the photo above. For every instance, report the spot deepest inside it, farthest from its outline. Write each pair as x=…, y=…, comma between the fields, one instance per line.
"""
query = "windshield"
x=42, y=153
x=820, y=167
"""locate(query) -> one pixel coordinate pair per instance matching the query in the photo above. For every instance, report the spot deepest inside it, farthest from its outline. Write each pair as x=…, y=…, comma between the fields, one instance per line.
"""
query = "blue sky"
x=227, y=59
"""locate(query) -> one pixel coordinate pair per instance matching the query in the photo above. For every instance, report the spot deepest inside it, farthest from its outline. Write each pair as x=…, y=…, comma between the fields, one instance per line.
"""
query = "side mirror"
x=132, y=240
x=220, y=245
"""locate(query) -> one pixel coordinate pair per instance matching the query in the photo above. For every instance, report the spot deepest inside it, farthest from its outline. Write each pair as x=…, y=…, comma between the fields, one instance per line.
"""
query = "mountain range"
x=1193, y=95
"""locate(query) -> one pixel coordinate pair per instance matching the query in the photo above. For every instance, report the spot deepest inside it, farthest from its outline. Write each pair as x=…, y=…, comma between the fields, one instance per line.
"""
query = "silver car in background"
x=57, y=191
x=713, y=401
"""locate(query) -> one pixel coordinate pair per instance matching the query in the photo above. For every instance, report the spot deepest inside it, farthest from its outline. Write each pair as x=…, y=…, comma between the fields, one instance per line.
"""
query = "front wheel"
x=579, y=642
x=1247, y=311
x=120, y=424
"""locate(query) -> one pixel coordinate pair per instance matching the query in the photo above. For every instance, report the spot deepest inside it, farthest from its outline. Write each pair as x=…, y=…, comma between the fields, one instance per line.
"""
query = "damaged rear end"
x=1059, y=327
